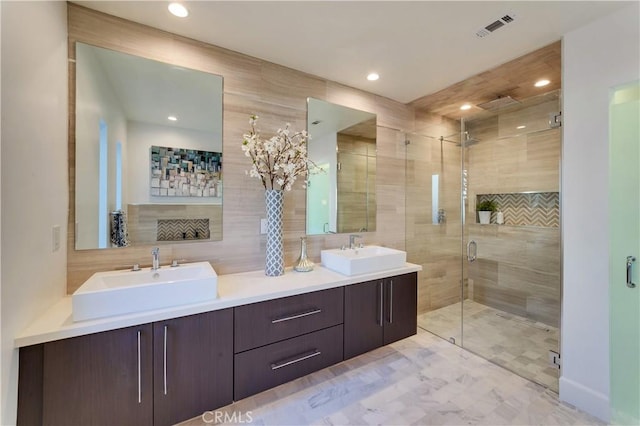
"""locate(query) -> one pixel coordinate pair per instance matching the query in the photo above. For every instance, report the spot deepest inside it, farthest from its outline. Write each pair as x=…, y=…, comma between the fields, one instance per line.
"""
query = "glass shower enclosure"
x=494, y=288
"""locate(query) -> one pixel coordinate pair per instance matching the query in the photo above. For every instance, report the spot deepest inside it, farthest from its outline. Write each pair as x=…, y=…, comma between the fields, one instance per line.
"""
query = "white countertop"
x=233, y=290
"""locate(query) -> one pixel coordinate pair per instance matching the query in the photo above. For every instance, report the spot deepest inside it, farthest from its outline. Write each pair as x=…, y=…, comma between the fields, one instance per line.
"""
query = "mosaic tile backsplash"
x=183, y=229
x=526, y=209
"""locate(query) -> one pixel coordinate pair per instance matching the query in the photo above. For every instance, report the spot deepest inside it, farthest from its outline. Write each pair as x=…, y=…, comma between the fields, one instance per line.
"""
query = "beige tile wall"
x=518, y=267
x=251, y=86
x=436, y=247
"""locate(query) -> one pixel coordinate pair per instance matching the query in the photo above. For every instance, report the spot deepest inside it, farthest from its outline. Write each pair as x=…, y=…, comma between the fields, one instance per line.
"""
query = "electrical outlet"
x=55, y=237
x=263, y=226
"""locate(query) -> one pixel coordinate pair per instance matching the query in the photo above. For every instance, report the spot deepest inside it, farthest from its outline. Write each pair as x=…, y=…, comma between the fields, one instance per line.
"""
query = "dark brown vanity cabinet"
x=193, y=365
x=170, y=371
x=379, y=312
x=279, y=340
x=98, y=379
x=159, y=373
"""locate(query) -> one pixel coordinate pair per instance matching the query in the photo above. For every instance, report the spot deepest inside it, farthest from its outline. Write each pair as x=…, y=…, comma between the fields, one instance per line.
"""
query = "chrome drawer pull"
x=304, y=314
x=381, y=297
x=391, y=303
x=165, y=359
x=139, y=372
x=294, y=361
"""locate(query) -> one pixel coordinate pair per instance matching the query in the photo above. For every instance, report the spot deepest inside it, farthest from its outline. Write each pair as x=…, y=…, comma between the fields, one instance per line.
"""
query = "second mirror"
x=342, y=198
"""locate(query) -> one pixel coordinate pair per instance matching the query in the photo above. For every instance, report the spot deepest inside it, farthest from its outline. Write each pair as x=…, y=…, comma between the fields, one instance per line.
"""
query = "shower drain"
x=523, y=321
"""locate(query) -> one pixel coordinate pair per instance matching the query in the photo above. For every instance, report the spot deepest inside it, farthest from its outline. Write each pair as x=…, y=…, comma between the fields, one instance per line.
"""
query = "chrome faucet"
x=155, y=252
x=352, y=240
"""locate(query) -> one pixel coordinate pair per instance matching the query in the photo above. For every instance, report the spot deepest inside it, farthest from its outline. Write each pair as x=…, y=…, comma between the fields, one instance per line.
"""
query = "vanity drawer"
x=267, y=322
x=281, y=362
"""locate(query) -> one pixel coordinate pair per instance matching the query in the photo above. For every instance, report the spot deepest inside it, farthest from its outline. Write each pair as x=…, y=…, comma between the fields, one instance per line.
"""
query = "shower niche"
x=525, y=209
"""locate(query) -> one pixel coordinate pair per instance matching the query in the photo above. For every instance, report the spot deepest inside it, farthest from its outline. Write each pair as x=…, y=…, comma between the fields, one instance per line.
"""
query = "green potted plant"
x=484, y=210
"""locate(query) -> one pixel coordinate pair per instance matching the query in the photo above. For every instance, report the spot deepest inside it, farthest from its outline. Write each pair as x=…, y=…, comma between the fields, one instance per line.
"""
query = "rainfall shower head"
x=498, y=103
x=468, y=140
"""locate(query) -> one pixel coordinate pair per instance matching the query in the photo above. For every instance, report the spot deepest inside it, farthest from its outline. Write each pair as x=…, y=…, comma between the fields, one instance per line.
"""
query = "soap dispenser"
x=499, y=218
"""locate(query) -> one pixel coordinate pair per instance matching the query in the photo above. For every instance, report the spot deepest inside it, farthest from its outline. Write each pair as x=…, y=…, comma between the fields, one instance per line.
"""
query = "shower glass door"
x=493, y=289
x=511, y=307
x=434, y=227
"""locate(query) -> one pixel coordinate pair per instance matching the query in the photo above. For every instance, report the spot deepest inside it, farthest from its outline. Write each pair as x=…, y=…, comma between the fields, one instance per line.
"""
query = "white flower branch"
x=277, y=161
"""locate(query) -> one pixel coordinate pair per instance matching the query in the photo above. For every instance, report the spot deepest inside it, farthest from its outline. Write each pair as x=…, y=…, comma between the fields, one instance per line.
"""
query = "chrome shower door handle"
x=630, y=261
x=472, y=251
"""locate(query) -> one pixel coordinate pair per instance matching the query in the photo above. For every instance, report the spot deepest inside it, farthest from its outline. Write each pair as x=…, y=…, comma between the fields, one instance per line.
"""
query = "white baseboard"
x=585, y=399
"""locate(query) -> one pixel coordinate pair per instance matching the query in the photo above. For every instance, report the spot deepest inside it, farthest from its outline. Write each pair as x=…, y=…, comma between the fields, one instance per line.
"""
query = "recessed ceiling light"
x=465, y=107
x=542, y=83
x=520, y=127
x=373, y=76
x=172, y=118
x=178, y=9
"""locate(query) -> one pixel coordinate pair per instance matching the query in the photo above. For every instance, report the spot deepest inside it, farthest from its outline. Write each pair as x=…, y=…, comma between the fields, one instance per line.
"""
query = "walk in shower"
x=493, y=289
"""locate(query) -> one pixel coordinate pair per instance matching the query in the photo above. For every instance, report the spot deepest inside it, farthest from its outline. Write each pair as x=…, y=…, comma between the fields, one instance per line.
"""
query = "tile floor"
x=519, y=344
x=422, y=380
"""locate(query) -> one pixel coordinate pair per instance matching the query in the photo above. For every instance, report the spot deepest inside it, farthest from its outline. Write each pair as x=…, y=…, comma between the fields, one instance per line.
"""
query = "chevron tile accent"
x=531, y=209
x=182, y=229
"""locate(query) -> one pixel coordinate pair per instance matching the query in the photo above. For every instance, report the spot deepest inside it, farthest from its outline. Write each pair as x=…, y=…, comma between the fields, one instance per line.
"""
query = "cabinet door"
x=193, y=365
x=401, y=305
x=363, y=317
x=99, y=379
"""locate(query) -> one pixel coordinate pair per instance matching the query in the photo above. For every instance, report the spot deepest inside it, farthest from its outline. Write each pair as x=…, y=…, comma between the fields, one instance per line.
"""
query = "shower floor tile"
x=516, y=343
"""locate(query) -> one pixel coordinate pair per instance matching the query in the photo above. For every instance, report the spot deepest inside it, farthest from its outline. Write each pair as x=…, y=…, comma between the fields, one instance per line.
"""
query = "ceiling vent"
x=498, y=23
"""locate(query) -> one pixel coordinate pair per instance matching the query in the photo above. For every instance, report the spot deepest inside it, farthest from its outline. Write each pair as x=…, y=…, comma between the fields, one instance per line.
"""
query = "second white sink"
x=363, y=260
x=122, y=292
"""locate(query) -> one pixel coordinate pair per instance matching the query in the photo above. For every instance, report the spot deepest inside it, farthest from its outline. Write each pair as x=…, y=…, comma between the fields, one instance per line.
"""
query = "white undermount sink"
x=122, y=292
x=363, y=260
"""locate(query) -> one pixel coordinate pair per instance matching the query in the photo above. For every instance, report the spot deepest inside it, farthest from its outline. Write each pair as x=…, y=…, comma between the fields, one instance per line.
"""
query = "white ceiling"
x=150, y=91
x=417, y=47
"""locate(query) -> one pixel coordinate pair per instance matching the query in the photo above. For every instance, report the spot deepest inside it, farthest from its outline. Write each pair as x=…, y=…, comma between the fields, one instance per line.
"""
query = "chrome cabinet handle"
x=139, y=371
x=472, y=246
x=381, y=296
x=391, y=302
x=630, y=261
x=296, y=316
x=281, y=364
x=165, y=358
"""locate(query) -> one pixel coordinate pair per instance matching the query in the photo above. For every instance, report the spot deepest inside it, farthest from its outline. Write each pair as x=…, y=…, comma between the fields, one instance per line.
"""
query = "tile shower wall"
x=518, y=267
x=251, y=86
x=435, y=246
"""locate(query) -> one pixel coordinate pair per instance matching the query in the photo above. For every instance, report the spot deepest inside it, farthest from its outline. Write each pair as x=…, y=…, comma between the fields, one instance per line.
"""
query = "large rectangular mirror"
x=148, y=158
x=342, y=198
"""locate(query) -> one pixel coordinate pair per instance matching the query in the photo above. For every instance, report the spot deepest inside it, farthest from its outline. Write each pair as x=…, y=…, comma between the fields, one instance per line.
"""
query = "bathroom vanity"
x=164, y=366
